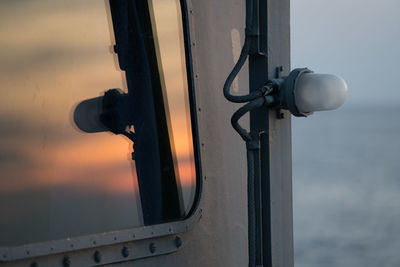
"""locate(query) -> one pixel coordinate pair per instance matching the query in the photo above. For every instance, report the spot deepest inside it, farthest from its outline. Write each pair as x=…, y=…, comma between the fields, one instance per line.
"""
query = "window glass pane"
x=169, y=44
x=56, y=180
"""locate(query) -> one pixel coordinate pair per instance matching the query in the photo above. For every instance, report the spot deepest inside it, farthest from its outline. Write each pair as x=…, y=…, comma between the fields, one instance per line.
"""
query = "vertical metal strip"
x=266, y=199
x=258, y=123
x=274, y=213
x=280, y=150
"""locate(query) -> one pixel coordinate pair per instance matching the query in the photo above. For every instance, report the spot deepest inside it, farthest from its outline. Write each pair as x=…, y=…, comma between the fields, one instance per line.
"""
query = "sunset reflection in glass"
x=57, y=181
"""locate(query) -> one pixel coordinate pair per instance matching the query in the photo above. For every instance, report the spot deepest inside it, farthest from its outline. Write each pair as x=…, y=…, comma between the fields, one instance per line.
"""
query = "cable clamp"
x=251, y=32
x=252, y=145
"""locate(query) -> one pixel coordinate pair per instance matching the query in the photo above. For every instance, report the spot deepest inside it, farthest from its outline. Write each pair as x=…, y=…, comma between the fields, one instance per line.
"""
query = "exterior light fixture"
x=304, y=92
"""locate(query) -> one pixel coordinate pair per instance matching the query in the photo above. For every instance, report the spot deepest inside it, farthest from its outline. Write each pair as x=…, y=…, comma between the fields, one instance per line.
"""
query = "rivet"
x=152, y=247
x=125, y=252
x=279, y=114
x=97, y=256
x=66, y=262
x=178, y=242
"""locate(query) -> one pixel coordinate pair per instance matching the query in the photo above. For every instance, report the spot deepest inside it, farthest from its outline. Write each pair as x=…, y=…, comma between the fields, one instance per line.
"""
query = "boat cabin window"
x=96, y=130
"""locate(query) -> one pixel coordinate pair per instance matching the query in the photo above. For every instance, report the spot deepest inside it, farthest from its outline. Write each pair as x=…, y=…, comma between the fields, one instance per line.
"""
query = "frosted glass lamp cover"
x=316, y=92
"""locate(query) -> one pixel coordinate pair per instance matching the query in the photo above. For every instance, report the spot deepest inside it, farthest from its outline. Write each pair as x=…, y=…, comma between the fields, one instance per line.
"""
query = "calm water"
x=346, y=178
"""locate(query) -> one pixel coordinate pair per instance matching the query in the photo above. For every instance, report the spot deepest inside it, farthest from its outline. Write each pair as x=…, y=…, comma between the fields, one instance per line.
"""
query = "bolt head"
x=152, y=247
x=97, y=256
x=66, y=261
x=178, y=242
x=125, y=252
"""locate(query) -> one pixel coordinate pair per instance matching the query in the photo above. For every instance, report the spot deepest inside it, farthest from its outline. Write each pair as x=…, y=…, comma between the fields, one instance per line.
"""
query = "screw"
x=278, y=71
x=178, y=242
x=97, y=256
x=279, y=114
x=152, y=247
x=66, y=262
x=125, y=252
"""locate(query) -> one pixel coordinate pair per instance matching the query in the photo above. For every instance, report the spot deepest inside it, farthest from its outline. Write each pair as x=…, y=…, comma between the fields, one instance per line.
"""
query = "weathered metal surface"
x=98, y=240
x=274, y=200
x=279, y=132
x=220, y=237
x=104, y=255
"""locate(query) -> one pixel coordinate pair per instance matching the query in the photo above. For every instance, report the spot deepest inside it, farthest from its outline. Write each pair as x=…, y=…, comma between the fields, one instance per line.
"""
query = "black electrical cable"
x=242, y=59
x=256, y=99
x=252, y=148
x=259, y=102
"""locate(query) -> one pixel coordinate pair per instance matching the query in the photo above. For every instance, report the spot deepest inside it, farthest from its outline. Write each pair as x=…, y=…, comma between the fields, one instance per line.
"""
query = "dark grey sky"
x=356, y=39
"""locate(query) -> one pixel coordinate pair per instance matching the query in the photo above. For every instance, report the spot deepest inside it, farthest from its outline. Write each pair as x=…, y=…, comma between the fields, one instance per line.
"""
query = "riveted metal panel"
x=220, y=237
x=107, y=254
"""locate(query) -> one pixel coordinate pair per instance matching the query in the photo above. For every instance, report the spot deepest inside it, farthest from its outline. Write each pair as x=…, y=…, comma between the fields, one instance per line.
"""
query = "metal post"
x=274, y=213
